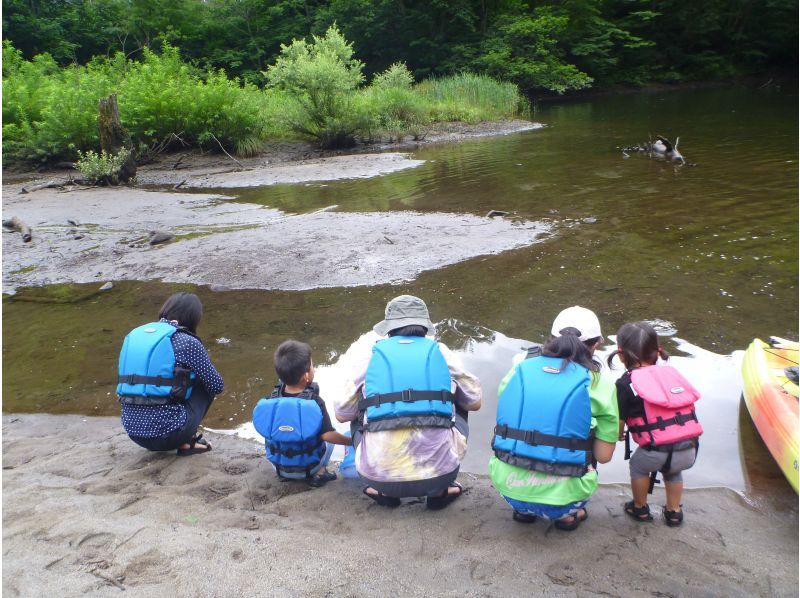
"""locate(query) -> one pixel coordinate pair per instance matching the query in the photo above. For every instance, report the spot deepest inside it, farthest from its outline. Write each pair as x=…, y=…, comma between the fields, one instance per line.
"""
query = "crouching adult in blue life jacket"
x=409, y=407
x=294, y=421
x=556, y=419
x=166, y=380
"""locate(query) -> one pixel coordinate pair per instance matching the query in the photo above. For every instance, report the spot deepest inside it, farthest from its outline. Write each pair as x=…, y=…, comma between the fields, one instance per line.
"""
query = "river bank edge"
x=86, y=511
x=179, y=162
x=82, y=234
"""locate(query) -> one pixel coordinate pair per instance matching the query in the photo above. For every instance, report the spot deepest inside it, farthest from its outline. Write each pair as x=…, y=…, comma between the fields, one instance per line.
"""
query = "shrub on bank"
x=50, y=113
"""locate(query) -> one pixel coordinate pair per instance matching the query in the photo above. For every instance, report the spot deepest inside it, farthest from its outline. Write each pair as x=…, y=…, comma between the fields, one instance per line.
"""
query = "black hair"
x=412, y=330
x=292, y=360
x=637, y=344
x=185, y=308
x=570, y=348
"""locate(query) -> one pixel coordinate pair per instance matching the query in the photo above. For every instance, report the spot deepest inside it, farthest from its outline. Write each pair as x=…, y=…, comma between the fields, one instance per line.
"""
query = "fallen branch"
x=18, y=225
x=47, y=185
x=224, y=150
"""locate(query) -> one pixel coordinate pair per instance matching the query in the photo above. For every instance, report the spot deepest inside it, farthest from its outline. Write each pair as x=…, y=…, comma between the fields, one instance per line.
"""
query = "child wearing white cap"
x=556, y=419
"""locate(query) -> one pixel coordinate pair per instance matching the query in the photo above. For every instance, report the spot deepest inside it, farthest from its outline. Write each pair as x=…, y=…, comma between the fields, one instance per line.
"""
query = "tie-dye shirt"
x=411, y=454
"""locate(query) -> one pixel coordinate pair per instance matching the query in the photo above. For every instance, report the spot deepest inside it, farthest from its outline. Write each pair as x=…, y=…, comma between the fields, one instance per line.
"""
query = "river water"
x=708, y=251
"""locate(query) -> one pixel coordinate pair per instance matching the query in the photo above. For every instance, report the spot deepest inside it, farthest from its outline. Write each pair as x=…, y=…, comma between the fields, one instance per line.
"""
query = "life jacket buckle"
x=530, y=437
x=405, y=396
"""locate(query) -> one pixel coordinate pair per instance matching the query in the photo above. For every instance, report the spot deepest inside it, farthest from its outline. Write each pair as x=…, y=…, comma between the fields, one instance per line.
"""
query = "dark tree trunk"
x=115, y=138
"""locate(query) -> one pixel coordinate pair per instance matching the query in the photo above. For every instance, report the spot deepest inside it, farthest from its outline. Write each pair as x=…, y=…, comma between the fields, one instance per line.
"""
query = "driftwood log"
x=114, y=138
x=18, y=225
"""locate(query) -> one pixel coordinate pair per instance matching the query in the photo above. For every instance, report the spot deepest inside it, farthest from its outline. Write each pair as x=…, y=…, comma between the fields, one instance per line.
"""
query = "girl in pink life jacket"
x=657, y=405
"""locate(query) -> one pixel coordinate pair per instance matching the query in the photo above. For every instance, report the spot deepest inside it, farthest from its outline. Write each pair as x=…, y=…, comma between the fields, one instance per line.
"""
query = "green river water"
x=708, y=251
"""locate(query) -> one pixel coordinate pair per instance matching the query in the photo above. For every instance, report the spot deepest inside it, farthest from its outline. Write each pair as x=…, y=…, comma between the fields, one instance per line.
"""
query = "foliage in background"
x=608, y=41
x=51, y=112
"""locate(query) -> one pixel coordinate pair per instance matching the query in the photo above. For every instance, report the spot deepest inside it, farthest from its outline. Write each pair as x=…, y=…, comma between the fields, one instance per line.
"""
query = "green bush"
x=102, y=167
x=323, y=77
x=396, y=76
x=51, y=112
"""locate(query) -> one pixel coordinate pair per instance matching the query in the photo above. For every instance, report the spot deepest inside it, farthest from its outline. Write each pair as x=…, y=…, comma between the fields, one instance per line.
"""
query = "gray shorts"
x=644, y=462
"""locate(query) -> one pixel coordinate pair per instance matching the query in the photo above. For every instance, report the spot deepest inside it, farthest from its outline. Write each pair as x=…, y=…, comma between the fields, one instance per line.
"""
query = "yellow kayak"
x=772, y=400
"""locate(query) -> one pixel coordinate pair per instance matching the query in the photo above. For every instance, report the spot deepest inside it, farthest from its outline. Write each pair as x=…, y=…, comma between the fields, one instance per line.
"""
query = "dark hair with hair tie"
x=637, y=344
x=570, y=348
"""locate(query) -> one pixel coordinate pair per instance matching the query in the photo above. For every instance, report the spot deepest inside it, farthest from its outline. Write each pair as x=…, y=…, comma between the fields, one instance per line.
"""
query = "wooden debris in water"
x=18, y=225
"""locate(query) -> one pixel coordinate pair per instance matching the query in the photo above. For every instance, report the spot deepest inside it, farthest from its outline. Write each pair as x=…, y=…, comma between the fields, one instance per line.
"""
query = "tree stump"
x=115, y=138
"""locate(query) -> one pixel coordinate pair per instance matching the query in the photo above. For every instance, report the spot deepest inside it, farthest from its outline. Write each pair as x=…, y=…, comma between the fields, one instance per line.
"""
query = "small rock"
x=158, y=236
x=493, y=213
x=107, y=287
x=78, y=237
x=589, y=220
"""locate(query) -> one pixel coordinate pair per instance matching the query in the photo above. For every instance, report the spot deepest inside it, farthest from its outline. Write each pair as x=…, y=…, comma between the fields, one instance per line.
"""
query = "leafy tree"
x=322, y=76
x=524, y=48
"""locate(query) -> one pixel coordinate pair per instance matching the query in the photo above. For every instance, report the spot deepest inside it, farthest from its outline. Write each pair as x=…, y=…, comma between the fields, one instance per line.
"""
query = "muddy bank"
x=87, y=512
x=102, y=234
x=173, y=167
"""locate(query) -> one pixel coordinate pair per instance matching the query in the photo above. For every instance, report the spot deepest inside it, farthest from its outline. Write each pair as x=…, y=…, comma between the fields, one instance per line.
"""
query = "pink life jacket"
x=668, y=400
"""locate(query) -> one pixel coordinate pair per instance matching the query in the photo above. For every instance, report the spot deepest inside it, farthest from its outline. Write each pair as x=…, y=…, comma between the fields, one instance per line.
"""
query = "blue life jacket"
x=291, y=427
x=148, y=374
x=544, y=417
x=407, y=385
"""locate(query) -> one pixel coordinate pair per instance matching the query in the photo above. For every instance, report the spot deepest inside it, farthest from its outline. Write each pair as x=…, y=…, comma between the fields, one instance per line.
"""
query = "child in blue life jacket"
x=657, y=405
x=298, y=432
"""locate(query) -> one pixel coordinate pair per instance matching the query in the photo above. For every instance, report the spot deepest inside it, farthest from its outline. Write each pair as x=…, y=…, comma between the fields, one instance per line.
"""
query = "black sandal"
x=673, y=518
x=640, y=514
x=437, y=503
x=568, y=526
x=320, y=480
x=382, y=499
x=193, y=450
x=524, y=517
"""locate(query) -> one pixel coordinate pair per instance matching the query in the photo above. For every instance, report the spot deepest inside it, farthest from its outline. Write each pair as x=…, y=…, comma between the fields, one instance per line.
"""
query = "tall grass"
x=471, y=97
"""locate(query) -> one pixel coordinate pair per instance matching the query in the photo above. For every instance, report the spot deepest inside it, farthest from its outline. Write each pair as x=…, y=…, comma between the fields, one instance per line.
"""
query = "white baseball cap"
x=580, y=318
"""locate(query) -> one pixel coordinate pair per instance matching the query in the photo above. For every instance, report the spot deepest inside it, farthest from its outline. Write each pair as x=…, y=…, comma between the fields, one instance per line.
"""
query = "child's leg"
x=673, y=479
x=639, y=488
x=674, y=493
x=642, y=463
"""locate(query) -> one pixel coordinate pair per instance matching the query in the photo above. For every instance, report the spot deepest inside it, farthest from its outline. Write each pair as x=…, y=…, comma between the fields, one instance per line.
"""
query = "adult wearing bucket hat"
x=556, y=419
x=409, y=410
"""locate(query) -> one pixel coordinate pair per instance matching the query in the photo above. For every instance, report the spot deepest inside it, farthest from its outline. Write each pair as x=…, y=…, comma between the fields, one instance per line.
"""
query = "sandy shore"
x=87, y=512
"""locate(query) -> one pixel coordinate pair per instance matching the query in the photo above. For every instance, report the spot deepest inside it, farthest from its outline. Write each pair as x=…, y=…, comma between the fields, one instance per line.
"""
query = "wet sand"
x=84, y=235
x=89, y=513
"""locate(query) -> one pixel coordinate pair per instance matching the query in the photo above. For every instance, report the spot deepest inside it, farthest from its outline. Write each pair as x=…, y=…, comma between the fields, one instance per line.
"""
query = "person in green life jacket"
x=556, y=419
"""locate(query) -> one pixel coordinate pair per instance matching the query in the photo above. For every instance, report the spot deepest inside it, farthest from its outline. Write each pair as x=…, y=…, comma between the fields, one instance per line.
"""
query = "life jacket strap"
x=154, y=380
x=679, y=419
x=534, y=438
x=560, y=469
x=293, y=452
x=405, y=396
